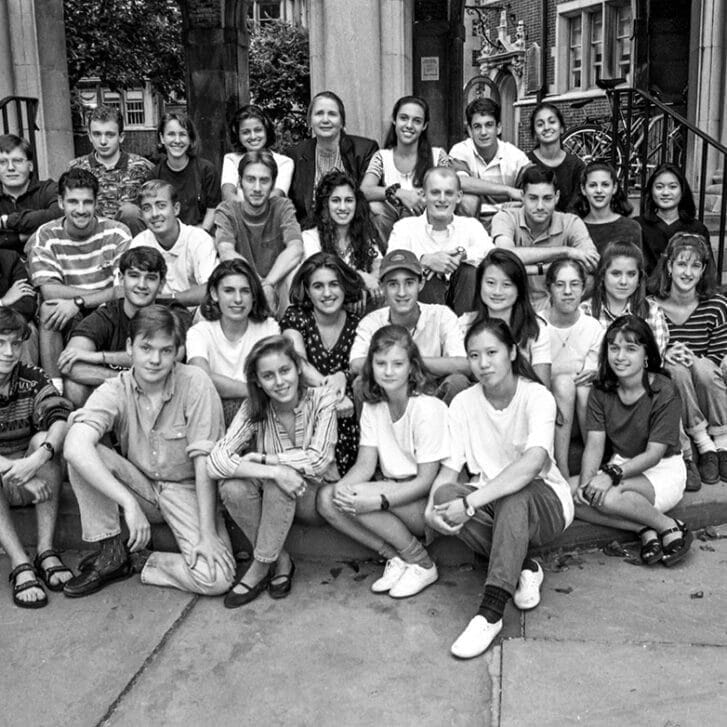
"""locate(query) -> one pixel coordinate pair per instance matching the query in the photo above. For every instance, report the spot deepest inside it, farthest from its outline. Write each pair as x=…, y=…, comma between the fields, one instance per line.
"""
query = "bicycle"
x=593, y=139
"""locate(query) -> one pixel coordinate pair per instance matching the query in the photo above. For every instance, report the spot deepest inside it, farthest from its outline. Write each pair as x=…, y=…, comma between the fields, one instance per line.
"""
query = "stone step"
x=697, y=509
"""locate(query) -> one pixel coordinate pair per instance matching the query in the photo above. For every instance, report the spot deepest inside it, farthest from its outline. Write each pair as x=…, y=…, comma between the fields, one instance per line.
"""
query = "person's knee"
x=514, y=504
x=703, y=372
x=470, y=205
x=76, y=393
x=130, y=215
x=209, y=584
x=324, y=502
x=563, y=388
x=452, y=385
x=679, y=373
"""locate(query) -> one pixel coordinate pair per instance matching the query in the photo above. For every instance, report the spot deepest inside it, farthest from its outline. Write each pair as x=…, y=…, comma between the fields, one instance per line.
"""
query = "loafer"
x=709, y=468
x=283, y=583
x=91, y=579
x=694, y=481
x=235, y=600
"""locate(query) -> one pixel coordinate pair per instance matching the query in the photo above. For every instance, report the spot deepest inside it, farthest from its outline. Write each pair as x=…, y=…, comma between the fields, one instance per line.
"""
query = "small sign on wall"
x=430, y=68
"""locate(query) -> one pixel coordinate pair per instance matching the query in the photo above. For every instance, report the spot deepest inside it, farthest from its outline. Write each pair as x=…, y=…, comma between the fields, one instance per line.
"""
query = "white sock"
x=58, y=383
x=703, y=442
x=720, y=441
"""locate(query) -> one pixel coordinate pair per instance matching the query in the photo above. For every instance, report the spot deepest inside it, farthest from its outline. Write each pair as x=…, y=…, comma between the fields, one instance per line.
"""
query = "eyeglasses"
x=16, y=162
x=561, y=285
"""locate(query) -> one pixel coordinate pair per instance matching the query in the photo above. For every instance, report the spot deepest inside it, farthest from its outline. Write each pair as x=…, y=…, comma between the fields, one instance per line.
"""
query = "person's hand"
x=213, y=549
x=19, y=289
x=594, y=491
x=453, y=512
x=256, y=457
x=344, y=408
x=353, y=501
x=21, y=470
x=412, y=199
x=441, y=262
x=374, y=291
x=69, y=357
x=62, y=311
x=38, y=489
x=515, y=194
x=434, y=517
x=589, y=258
x=584, y=378
x=679, y=353
x=290, y=481
x=337, y=382
x=139, y=527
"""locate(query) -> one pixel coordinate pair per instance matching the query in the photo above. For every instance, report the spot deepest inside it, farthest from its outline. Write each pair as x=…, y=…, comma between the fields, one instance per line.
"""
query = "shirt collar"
x=122, y=164
x=430, y=229
x=170, y=384
x=555, y=227
x=12, y=384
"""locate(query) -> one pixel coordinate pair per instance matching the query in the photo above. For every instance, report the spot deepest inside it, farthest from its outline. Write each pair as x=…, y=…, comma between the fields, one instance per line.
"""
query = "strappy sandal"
x=677, y=549
x=19, y=588
x=651, y=549
x=47, y=573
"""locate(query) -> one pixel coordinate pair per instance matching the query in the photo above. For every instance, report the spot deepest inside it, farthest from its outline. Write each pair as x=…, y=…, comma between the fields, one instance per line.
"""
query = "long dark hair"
x=500, y=330
x=350, y=280
x=636, y=330
x=619, y=202
x=550, y=107
x=523, y=319
x=210, y=309
x=660, y=282
x=424, y=147
x=365, y=240
x=687, y=209
x=383, y=340
x=258, y=400
x=637, y=301
x=251, y=111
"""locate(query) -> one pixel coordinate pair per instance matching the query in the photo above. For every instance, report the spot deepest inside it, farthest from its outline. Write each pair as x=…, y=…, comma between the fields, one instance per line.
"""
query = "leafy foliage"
x=125, y=43
x=280, y=77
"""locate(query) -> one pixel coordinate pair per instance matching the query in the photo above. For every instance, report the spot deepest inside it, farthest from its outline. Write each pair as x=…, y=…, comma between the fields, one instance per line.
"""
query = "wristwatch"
x=469, y=511
x=80, y=302
x=614, y=472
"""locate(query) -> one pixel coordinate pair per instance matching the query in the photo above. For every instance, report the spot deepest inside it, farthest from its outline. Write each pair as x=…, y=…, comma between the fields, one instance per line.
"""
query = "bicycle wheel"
x=592, y=143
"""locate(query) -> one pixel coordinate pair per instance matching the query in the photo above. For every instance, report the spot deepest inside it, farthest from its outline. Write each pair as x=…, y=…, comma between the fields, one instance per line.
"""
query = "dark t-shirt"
x=198, y=187
x=568, y=174
x=657, y=233
x=624, y=229
x=629, y=428
x=107, y=326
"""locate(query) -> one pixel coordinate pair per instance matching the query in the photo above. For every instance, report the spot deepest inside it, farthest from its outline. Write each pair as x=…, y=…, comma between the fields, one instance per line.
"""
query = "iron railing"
x=18, y=116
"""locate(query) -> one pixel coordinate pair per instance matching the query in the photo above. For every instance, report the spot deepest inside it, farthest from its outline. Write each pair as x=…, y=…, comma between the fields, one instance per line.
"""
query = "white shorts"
x=668, y=477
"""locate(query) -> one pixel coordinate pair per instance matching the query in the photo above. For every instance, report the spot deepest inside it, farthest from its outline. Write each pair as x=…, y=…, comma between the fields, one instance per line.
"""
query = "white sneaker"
x=414, y=579
x=393, y=570
x=527, y=593
x=476, y=638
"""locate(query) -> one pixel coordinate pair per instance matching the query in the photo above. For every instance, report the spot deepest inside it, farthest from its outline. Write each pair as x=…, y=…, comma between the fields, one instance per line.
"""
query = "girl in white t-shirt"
x=252, y=130
x=380, y=502
x=504, y=293
x=501, y=435
x=395, y=176
x=575, y=341
x=237, y=316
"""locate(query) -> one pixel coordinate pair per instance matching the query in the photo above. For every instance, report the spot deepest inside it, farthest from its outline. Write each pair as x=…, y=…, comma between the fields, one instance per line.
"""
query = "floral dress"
x=327, y=362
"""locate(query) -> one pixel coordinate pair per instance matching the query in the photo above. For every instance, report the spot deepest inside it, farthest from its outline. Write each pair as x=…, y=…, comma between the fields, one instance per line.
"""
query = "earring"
x=646, y=363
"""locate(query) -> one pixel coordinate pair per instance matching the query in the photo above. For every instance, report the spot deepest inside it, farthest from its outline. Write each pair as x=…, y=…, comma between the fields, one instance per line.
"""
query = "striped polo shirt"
x=705, y=331
x=88, y=263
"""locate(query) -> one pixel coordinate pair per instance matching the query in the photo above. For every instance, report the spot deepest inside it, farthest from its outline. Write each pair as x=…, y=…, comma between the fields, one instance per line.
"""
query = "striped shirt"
x=88, y=263
x=312, y=452
x=705, y=331
x=30, y=405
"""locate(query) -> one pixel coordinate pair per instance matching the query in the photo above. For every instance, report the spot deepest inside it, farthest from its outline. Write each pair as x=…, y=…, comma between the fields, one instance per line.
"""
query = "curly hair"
x=364, y=238
x=619, y=201
x=350, y=281
x=383, y=340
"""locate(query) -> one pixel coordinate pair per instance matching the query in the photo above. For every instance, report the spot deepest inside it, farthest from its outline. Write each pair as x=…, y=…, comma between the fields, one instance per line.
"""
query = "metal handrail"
x=25, y=123
x=681, y=131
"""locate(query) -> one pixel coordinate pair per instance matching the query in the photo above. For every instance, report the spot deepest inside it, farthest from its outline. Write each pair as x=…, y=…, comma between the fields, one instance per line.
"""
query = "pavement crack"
x=147, y=662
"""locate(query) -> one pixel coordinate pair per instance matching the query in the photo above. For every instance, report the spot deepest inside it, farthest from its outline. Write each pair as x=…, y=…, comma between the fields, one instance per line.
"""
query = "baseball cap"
x=400, y=260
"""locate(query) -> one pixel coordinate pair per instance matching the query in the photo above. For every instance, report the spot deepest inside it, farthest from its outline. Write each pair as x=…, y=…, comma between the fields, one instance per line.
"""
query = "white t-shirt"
x=383, y=167
x=575, y=349
x=437, y=333
x=419, y=436
x=190, y=261
x=488, y=440
x=225, y=357
x=504, y=167
x=230, y=175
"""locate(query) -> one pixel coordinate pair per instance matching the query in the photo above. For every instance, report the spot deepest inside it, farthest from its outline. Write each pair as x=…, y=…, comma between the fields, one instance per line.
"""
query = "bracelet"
x=390, y=194
x=541, y=271
x=385, y=505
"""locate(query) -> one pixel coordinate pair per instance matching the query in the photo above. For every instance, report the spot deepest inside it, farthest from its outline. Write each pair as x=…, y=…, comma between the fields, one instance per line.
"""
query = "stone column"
x=361, y=50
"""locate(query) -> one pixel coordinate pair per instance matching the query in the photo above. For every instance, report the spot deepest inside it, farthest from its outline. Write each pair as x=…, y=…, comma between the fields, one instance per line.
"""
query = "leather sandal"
x=677, y=549
x=19, y=588
x=281, y=584
x=46, y=573
x=651, y=550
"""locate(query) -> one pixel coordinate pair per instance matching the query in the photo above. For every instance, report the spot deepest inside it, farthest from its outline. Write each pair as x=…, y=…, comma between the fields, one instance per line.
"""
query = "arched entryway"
x=507, y=88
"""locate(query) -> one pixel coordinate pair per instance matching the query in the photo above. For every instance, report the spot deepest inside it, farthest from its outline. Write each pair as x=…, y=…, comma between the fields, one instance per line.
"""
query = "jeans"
x=458, y=292
x=703, y=392
x=169, y=502
x=503, y=530
x=264, y=512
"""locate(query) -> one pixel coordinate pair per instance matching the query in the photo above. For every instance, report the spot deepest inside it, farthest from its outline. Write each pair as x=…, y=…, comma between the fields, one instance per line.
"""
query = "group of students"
x=365, y=345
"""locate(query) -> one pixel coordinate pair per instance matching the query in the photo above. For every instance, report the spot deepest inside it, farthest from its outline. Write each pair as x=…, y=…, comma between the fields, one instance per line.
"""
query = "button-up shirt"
x=503, y=168
x=161, y=441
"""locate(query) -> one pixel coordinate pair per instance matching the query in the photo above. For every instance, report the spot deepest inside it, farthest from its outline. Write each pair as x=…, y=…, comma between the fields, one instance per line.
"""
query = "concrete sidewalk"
x=611, y=644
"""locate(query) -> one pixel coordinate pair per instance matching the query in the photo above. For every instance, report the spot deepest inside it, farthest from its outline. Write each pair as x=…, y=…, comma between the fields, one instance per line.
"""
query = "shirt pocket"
x=175, y=463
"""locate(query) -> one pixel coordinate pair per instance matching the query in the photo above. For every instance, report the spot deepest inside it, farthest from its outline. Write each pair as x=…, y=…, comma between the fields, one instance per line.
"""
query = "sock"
x=386, y=551
x=58, y=383
x=493, y=603
x=720, y=441
x=530, y=564
x=414, y=552
x=703, y=441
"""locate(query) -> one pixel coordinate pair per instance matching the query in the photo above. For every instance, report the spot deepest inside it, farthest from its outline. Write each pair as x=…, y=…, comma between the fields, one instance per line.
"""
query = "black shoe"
x=722, y=464
x=694, y=481
x=709, y=468
x=92, y=578
x=235, y=600
x=281, y=584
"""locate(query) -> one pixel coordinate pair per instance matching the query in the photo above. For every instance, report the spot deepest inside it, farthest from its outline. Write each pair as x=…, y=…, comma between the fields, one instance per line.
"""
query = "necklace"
x=563, y=341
